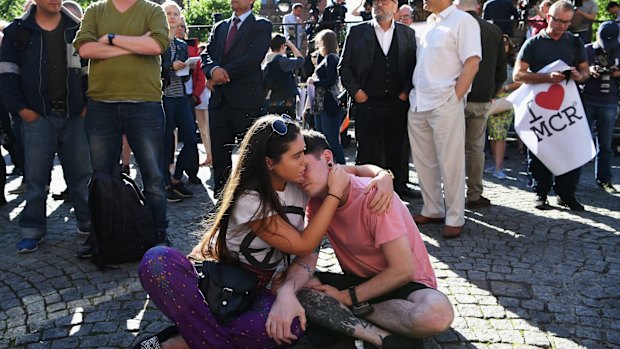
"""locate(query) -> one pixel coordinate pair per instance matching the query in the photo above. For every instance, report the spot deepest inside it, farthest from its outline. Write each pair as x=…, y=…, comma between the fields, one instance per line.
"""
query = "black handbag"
x=228, y=288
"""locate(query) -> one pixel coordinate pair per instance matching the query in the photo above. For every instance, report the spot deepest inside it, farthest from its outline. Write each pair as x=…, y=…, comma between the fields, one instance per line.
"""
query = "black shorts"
x=344, y=281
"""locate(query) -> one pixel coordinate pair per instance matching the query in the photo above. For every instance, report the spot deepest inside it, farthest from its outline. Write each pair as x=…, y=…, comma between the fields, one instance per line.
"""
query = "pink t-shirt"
x=356, y=235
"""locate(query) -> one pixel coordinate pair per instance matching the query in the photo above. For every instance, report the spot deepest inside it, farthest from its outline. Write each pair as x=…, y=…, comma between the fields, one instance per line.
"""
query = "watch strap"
x=353, y=295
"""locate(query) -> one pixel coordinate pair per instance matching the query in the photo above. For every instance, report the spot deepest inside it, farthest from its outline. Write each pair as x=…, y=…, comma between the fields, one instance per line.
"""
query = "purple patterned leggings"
x=172, y=284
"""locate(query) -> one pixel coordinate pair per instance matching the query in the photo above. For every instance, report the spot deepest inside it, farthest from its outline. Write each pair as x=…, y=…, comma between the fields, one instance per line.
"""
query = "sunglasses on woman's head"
x=280, y=125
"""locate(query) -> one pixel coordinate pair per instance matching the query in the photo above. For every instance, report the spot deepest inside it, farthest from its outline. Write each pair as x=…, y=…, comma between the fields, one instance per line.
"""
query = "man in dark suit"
x=231, y=62
x=376, y=68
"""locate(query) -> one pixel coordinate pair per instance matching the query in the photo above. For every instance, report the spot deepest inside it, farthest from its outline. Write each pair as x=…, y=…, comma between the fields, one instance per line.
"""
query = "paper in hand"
x=190, y=61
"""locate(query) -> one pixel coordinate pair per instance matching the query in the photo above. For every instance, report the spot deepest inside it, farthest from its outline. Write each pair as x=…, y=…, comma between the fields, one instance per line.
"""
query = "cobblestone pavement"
x=518, y=277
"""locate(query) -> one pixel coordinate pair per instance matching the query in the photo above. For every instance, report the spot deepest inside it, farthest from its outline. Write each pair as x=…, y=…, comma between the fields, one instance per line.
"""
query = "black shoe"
x=156, y=340
x=62, y=196
x=162, y=239
x=194, y=180
x=399, y=342
x=608, y=187
x=180, y=189
x=406, y=192
x=87, y=250
x=541, y=203
x=571, y=203
x=480, y=203
x=173, y=196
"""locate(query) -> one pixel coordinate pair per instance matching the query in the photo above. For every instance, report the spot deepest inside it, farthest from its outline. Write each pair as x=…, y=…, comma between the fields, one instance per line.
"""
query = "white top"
x=451, y=38
x=384, y=37
x=290, y=18
x=248, y=247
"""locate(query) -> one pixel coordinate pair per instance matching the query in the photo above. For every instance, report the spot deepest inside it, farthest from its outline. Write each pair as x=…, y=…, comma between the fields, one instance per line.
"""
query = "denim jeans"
x=43, y=138
x=143, y=123
x=329, y=125
x=179, y=115
x=604, y=120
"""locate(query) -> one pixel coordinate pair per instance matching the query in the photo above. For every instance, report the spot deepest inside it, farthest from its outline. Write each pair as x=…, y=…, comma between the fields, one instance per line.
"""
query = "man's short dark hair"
x=315, y=142
x=277, y=40
x=611, y=5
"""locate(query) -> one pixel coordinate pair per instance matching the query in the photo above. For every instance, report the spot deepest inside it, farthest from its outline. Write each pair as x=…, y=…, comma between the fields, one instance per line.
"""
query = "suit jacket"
x=242, y=62
x=359, y=50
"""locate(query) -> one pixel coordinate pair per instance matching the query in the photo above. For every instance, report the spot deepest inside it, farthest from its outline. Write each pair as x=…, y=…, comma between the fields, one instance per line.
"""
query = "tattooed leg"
x=327, y=311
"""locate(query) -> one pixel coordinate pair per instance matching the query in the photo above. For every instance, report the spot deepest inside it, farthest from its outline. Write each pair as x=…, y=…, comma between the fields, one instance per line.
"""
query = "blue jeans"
x=179, y=115
x=329, y=125
x=43, y=138
x=143, y=123
x=604, y=120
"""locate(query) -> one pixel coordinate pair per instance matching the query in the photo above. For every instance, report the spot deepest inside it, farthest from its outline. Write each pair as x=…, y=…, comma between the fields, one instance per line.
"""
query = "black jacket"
x=167, y=60
x=242, y=62
x=492, y=71
x=359, y=50
x=23, y=75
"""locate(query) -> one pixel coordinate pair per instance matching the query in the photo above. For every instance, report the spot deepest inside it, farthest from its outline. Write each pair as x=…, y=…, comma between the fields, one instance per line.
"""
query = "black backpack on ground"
x=123, y=228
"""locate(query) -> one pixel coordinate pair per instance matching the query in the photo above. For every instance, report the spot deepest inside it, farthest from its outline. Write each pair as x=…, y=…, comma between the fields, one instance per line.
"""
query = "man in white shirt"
x=293, y=28
x=447, y=61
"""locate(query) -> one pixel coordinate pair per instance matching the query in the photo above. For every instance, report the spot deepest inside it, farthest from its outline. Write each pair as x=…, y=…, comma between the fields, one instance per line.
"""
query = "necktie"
x=231, y=34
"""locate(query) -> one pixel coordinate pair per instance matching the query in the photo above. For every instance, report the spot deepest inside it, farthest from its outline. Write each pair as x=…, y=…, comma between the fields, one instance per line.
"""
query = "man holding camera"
x=551, y=44
x=585, y=14
x=600, y=97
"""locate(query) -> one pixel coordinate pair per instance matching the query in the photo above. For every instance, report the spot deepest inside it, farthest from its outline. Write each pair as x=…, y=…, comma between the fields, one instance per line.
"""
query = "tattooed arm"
x=286, y=307
x=329, y=313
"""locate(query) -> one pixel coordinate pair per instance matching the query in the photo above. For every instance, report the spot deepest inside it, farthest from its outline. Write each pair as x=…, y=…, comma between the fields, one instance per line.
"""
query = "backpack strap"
x=577, y=49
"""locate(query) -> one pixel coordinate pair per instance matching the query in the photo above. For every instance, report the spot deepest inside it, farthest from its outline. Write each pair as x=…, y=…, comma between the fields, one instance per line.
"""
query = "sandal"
x=155, y=341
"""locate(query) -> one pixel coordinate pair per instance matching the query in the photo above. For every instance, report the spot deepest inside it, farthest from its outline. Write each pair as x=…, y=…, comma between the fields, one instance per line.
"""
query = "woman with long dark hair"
x=328, y=114
x=259, y=222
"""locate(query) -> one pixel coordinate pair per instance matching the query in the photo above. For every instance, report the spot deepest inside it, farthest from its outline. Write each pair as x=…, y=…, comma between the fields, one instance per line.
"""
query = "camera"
x=577, y=3
x=605, y=77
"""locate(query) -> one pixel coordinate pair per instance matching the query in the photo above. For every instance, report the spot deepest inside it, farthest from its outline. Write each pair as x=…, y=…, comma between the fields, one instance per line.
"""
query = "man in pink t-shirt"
x=388, y=279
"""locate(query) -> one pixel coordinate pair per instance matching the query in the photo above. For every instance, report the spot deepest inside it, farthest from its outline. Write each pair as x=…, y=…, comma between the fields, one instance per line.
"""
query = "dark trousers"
x=192, y=166
x=565, y=185
x=226, y=123
x=382, y=140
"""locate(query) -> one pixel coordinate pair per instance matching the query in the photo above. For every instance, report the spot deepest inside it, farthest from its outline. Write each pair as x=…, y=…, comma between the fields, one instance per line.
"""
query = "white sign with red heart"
x=551, y=122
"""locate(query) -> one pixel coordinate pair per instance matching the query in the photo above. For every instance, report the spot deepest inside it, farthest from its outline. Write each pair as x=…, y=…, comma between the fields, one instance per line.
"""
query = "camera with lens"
x=604, y=70
x=605, y=77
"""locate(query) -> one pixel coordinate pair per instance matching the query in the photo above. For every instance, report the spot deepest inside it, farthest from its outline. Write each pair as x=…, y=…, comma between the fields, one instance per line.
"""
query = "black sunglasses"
x=280, y=125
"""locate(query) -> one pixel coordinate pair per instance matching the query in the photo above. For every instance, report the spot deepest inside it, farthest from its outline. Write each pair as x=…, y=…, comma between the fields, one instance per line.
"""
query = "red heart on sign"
x=552, y=98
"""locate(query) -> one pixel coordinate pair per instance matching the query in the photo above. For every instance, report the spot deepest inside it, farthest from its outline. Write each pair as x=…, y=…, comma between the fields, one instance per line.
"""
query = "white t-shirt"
x=248, y=247
x=452, y=37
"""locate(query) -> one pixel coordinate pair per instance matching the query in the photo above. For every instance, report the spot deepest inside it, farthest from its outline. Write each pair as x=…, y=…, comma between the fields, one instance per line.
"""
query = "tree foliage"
x=200, y=13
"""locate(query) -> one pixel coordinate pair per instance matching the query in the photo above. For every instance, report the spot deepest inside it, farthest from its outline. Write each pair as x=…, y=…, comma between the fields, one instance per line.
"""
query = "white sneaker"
x=489, y=169
x=499, y=174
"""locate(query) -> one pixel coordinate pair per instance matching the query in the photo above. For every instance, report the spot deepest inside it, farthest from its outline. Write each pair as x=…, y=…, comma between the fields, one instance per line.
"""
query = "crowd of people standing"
x=290, y=187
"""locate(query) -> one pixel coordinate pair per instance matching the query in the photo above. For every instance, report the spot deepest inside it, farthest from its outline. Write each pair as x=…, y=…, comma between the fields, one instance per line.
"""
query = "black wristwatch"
x=359, y=309
x=111, y=38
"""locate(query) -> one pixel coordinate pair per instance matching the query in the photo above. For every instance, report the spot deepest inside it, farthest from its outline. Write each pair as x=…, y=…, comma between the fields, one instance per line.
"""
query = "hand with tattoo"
x=284, y=310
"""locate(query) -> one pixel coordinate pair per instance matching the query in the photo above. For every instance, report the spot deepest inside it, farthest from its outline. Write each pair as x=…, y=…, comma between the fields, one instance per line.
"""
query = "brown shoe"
x=450, y=232
x=419, y=219
x=480, y=203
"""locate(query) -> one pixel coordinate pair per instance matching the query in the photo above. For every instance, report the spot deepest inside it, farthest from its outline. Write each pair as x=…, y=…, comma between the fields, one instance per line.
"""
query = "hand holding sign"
x=551, y=121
